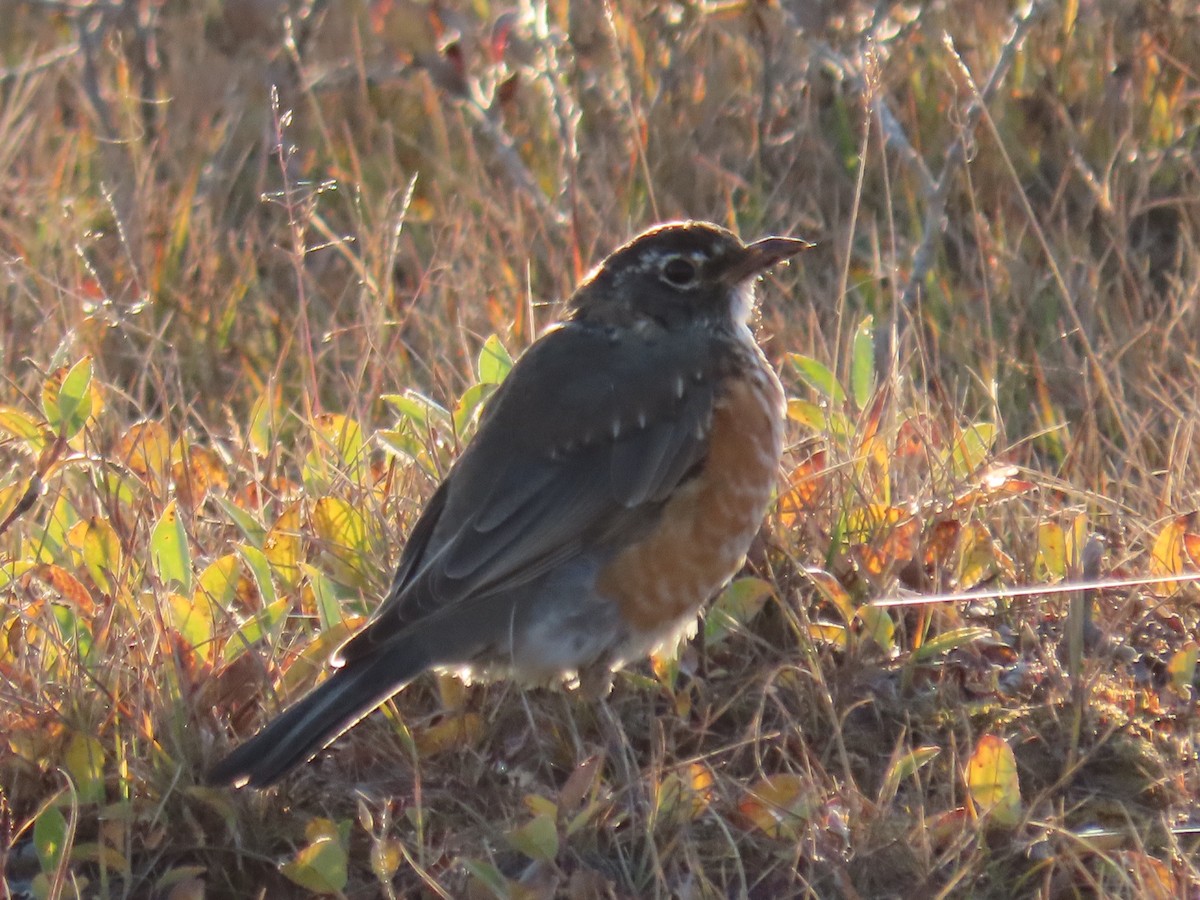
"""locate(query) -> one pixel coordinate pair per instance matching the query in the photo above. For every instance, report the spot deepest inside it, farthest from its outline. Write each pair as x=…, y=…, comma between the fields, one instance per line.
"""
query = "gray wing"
x=583, y=442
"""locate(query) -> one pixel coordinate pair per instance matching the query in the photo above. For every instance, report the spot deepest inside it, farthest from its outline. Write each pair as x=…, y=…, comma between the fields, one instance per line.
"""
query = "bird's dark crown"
x=672, y=274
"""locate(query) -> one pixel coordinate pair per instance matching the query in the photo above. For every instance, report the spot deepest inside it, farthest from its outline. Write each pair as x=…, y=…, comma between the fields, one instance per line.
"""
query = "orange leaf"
x=833, y=591
x=806, y=483
x=778, y=804
x=198, y=472
x=941, y=541
x=146, y=449
x=916, y=435
x=68, y=586
x=1191, y=543
x=995, y=484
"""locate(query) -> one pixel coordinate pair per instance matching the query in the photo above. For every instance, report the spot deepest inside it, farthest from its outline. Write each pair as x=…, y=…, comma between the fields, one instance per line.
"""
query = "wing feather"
x=545, y=477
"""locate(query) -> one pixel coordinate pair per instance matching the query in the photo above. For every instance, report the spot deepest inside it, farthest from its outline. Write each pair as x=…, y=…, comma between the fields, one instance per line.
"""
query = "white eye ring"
x=680, y=272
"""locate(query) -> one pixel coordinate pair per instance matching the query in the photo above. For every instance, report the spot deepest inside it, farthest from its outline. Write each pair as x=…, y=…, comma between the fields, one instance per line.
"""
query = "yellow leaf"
x=84, y=761
x=194, y=621
x=451, y=733
x=282, y=545
x=218, y=583
x=97, y=546
x=684, y=795
x=338, y=451
x=314, y=659
x=1182, y=667
x=992, y=781
x=198, y=470
x=977, y=556
x=24, y=427
x=1167, y=554
x=1050, y=564
x=343, y=531
x=971, y=448
x=833, y=592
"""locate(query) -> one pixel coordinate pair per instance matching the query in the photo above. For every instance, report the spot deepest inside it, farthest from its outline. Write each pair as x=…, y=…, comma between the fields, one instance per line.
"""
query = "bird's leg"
x=595, y=680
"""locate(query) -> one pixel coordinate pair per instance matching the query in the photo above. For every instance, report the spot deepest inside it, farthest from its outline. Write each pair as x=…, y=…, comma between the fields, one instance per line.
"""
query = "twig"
x=41, y=63
x=90, y=27
x=936, y=213
x=488, y=125
x=893, y=132
x=936, y=191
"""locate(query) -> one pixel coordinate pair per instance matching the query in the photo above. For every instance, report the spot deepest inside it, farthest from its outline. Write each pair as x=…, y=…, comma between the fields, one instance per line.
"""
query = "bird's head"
x=677, y=274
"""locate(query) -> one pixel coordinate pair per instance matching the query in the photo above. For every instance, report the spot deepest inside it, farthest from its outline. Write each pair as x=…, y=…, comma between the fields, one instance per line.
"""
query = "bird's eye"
x=679, y=271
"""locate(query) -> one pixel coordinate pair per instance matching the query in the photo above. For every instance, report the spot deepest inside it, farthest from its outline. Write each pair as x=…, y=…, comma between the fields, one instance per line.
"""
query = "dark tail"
x=314, y=721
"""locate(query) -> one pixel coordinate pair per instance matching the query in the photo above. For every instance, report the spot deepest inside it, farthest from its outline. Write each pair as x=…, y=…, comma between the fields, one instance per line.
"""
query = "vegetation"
x=260, y=272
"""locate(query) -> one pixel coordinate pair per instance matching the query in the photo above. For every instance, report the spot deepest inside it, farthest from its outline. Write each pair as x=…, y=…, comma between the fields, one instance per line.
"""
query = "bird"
x=614, y=485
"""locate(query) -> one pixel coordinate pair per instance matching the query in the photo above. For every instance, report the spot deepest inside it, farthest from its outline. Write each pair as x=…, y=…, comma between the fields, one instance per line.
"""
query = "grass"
x=259, y=277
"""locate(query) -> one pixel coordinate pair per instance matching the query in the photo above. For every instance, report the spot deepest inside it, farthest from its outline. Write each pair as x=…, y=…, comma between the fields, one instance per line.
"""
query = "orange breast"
x=707, y=526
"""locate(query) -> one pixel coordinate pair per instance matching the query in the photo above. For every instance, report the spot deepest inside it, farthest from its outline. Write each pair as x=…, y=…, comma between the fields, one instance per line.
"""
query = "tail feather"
x=317, y=719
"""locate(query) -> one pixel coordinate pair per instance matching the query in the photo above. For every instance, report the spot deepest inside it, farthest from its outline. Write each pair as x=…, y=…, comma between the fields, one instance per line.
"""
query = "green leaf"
x=329, y=611
x=950, y=640
x=537, y=838
x=260, y=571
x=419, y=409
x=862, y=363
x=169, y=551
x=905, y=767
x=97, y=544
x=251, y=528
x=73, y=631
x=403, y=443
x=50, y=837
x=257, y=628
x=84, y=762
x=878, y=626
x=494, y=361
x=738, y=604
x=818, y=377
x=72, y=404
x=52, y=542
x=10, y=571
x=488, y=877
x=820, y=419
x=264, y=422
x=469, y=405
x=344, y=436
x=972, y=448
x=319, y=867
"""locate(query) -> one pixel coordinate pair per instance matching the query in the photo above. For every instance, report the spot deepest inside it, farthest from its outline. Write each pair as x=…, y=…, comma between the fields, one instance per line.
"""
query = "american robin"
x=615, y=483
